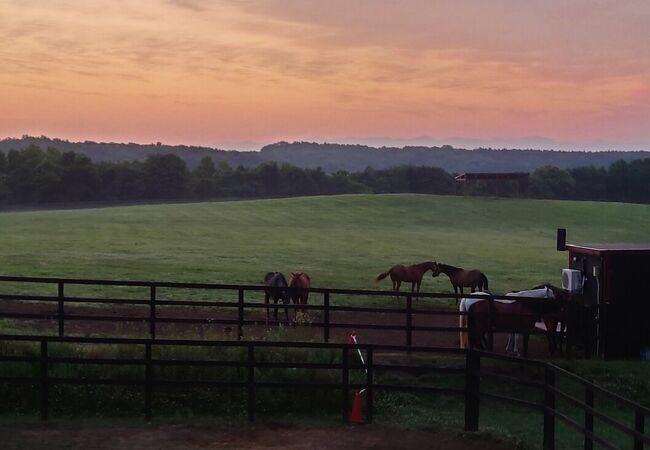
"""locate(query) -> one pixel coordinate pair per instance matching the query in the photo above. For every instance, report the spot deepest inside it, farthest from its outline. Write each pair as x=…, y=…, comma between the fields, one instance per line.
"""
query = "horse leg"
x=399, y=283
x=551, y=334
x=456, y=293
x=275, y=309
x=418, y=290
x=266, y=302
x=462, y=323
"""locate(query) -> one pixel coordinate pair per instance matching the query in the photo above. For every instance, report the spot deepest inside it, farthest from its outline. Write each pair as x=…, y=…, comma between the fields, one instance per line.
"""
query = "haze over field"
x=540, y=74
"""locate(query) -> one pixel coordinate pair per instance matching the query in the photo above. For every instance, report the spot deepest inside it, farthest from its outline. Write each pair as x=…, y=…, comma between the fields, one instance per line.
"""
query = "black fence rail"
x=472, y=372
x=320, y=301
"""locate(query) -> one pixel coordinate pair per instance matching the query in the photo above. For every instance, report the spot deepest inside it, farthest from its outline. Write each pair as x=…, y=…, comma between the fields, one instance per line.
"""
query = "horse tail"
x=383, y=275
x=485, y=282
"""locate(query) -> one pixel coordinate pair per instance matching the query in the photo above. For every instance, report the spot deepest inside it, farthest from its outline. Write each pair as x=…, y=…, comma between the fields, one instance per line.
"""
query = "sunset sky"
x=238, y=74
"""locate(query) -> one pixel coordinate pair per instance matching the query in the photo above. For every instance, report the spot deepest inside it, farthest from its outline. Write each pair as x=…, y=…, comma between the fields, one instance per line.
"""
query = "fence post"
x=589, y=418
x=369, y=382
x=571, y=328
x=409, y=320
x=472, y=389
x=45, y=384
x=240, y=313
x=326, y=316
x=639, y=420
x=491, y=324
x=251, y=383
x=152, y=311
x=61, y=314
x=148, y=376
x=345, y=384
x=549, y=408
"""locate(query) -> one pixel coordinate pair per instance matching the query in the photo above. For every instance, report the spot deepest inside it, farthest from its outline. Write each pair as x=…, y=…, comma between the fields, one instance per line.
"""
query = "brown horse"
x=460, y=278
x=517, y=317
x=300, y=280
x=410, y=274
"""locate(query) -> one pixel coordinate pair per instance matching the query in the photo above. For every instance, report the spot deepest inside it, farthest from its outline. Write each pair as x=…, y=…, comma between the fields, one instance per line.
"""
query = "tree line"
x=34, y=176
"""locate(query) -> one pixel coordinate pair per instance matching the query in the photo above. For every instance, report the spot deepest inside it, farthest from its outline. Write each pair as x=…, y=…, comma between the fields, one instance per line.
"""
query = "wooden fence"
x=154, y=304
x=472, y=392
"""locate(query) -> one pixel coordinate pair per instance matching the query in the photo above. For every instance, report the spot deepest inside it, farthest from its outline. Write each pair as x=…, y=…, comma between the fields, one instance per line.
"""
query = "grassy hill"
x=342, y=241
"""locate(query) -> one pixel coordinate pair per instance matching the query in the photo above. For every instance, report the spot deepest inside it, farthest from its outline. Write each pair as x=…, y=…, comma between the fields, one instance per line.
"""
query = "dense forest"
x=34, y=176
x=332, y=157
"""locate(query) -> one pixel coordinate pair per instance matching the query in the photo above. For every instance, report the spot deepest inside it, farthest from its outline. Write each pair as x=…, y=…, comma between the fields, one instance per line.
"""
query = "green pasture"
x=342, y=241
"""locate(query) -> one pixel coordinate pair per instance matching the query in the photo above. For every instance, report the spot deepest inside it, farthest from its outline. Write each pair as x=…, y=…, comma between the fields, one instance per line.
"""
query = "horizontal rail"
x=616, y=424
x=573, y=424
x=619, y=399
x=512, y=400
x=246, y=287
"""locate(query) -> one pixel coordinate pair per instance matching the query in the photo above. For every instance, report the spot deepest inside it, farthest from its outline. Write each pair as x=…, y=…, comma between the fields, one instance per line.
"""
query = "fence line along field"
x=341, y=241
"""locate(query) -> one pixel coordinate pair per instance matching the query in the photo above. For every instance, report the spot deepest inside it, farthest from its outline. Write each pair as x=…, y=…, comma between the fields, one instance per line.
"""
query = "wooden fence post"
x=409, y=320
x=45, y=385
x=345, y=384
x=639, y=420
x=152, y=311
x=251, y=383
x=472, y=389
x=240, y=313
x=491, y=324
x=61, y=313
x=549, y=408
x=148, y=376
x=326, y=316
x=369, y=383
x=589, y=418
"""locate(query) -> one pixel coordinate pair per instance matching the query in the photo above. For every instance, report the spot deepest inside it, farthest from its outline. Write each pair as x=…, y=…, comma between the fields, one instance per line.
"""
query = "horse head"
x=435, y=269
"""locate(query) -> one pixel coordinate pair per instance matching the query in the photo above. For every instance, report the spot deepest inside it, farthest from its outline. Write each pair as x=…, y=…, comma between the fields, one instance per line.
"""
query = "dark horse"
x=300, y=280
x=410, y=274
x=276, y=288
x=460, y=278
x=518, y=317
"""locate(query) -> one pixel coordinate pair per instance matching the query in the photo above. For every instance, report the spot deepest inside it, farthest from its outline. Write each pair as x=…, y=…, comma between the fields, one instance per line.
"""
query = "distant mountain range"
x=334, y=157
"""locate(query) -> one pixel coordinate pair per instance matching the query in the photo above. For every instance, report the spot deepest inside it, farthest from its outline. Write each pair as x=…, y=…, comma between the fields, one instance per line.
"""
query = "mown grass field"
x=342, y=241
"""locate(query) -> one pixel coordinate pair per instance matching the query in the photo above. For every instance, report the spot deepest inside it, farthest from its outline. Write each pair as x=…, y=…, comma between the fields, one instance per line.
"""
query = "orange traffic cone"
x=356, y=416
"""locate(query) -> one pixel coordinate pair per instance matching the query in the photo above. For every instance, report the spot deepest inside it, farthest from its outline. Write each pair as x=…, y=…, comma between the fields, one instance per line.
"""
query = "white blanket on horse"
x=533, y=293
x=465, y=304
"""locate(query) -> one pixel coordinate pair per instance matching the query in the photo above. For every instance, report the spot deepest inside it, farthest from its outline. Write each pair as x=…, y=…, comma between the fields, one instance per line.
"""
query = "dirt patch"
x=342, y=324
x=182, y=437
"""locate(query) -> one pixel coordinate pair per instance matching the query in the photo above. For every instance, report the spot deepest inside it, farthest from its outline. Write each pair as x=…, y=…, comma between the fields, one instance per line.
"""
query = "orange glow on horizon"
x=192, y=72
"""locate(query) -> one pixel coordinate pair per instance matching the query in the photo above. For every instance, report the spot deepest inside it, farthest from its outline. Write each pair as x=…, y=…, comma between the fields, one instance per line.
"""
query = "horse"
x=410, y=274
x=276, y=288
x=518, y=317
x=300, y=280
x=460, y=278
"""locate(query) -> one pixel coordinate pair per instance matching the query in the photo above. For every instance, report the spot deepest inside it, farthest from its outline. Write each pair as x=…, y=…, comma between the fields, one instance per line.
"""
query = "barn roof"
x=611, y=248
x=491, y=176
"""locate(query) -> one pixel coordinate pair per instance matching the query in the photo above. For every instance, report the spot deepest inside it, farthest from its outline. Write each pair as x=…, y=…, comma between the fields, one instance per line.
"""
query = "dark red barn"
x=616, y=297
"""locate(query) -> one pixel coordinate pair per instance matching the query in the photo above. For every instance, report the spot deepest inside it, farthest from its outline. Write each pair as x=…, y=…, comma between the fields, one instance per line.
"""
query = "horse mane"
x=275, y=279
x=447, y=269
